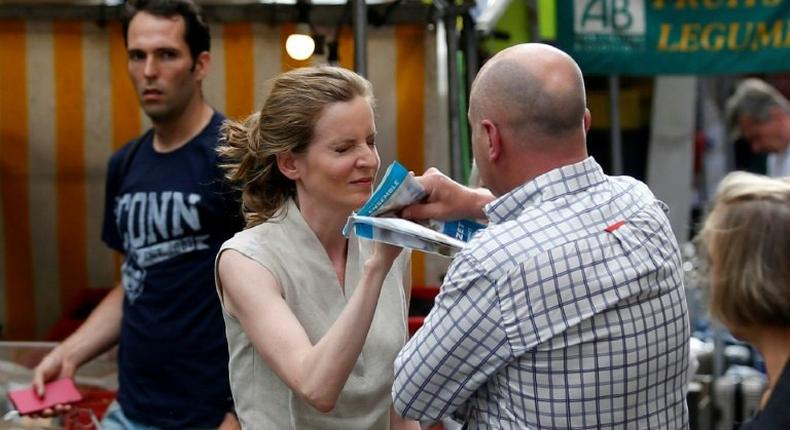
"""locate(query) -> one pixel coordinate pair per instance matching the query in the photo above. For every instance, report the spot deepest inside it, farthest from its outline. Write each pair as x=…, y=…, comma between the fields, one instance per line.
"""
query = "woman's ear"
x=286, y=162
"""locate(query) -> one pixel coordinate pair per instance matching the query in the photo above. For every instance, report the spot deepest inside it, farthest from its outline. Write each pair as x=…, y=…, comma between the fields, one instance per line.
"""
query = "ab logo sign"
x=644, y=37
x=609, y=25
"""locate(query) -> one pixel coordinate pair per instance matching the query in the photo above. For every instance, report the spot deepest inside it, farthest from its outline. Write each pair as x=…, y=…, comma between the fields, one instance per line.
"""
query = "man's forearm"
x=98, y=333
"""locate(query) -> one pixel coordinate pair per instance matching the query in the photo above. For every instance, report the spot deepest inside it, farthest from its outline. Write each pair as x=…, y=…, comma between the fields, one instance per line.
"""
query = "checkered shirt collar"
x=550, y=185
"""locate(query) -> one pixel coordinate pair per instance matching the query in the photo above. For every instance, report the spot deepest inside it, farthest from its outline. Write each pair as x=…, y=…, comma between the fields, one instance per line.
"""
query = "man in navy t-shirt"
x=167, y=211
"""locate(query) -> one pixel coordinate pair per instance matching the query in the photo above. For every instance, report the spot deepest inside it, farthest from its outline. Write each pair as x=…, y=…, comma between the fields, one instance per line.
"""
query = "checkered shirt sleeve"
x=461, y=345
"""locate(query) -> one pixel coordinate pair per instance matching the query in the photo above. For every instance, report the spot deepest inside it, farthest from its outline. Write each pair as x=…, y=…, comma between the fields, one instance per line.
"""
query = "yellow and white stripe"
x=66, y=104
x=70, y=199
x=266, y=63
x=42, y=169
x=214, y=85
x=98, y=133
x=20, y=310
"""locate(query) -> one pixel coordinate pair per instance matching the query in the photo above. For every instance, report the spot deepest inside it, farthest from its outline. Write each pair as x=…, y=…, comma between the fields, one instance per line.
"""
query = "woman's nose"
x=372, y=157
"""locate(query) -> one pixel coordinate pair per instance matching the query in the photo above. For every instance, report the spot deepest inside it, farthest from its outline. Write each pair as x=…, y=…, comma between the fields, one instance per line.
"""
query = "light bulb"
x=300, y=45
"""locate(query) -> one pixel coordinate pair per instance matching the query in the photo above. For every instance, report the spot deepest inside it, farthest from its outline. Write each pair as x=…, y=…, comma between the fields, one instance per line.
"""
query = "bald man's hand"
x=447, y=200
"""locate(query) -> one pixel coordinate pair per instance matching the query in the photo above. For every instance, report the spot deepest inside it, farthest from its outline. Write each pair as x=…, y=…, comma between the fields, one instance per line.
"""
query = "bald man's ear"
x=493, y=140
x=587, y=120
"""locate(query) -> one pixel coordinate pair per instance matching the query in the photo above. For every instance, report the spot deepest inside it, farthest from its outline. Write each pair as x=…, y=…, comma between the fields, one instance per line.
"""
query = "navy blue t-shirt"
x=169, y=214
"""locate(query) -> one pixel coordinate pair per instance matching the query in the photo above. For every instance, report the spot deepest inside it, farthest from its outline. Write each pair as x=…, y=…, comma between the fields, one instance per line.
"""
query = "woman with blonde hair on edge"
x=746, y=243
x=314, y=320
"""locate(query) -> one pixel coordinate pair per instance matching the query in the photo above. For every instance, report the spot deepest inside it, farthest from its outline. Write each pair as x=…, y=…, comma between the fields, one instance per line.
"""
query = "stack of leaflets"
x=377, y=220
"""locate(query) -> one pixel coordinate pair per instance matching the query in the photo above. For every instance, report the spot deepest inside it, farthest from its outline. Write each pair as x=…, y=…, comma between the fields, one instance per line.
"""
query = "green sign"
x=649, y=37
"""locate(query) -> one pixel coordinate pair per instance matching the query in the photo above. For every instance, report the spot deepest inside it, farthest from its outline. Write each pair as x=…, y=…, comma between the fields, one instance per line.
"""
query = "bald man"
x=568, y=310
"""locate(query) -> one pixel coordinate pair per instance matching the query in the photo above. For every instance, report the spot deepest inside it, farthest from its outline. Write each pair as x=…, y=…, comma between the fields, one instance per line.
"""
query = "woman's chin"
x=358, y=205
x=362, y=199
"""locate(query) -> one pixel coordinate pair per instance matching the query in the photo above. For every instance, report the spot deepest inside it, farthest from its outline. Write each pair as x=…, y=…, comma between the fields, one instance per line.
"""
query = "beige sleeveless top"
x=289, y=249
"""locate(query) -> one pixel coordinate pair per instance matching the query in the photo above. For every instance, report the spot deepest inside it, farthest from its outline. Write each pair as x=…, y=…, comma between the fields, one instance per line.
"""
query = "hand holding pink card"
x=60, y=392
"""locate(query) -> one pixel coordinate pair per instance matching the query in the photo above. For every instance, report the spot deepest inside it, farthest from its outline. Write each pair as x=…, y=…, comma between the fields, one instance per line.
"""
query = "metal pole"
x=360, y=37
x=532, y=21
x=449, y=18
x=469, y=35
x=719, y=367
x=616, y=145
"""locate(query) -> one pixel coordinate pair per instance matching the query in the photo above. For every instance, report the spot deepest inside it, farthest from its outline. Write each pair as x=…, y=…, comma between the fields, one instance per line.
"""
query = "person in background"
x=167, y=211
x=745, y=241
x=761, y=115
x=568, y=309
x=313, y=319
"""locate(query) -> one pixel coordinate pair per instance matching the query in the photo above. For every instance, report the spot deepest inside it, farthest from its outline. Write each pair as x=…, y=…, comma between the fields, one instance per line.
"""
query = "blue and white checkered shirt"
x=558, y=315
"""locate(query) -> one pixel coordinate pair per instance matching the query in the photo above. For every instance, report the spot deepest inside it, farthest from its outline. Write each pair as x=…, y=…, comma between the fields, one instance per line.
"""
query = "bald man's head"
x=531, y=88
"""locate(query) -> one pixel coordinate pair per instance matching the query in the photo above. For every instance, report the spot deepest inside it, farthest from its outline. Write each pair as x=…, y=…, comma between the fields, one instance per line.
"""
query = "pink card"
x=60, y=392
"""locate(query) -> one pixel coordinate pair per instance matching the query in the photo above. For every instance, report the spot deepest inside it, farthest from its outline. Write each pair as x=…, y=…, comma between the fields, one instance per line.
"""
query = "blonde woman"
x=313, y=320
x=746, y=242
